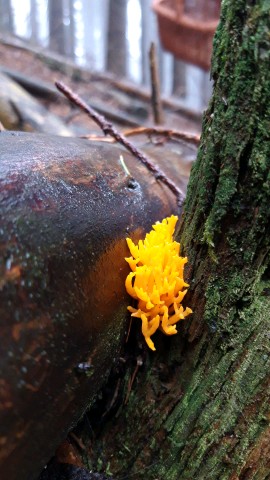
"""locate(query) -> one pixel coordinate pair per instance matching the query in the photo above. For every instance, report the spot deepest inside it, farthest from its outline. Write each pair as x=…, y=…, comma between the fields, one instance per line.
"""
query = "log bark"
x=199, y=407
x=66, y=207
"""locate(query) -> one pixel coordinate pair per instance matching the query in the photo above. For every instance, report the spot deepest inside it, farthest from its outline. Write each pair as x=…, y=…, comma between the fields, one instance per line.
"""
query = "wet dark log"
x=66, y=207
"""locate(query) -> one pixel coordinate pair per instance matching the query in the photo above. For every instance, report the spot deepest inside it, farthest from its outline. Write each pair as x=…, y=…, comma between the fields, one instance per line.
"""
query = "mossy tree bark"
x=199, y=407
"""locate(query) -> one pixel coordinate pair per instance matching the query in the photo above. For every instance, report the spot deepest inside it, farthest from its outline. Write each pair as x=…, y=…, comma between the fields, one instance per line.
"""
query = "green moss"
x=223, y=394
x=199, y=407
x=205, y=431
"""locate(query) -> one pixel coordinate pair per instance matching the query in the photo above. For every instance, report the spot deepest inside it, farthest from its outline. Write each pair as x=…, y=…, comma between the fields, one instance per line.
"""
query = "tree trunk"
x=117, y=45
x=95, y=17
x=70, y=29
x=34, y=24
x=56, y=26
x=198, y=408
x=6, y=15
x=148, y=22
x=179, y=78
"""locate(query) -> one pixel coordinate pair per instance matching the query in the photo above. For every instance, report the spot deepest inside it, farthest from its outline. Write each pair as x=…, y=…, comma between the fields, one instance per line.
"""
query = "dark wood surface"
x=66, y=207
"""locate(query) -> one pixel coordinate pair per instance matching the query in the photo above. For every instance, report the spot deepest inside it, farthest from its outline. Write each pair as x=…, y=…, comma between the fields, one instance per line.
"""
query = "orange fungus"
x=157, y=280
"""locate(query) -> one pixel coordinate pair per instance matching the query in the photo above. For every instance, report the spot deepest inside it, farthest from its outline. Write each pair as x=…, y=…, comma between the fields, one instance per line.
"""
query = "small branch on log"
x=155, y=86
x=78, y=441
x=192, y=138
x=2, y=128
x=97, y=138
x=109, y=129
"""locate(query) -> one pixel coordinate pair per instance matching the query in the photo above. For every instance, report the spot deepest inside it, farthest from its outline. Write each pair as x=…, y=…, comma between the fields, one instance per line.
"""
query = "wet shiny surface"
x=66, y=207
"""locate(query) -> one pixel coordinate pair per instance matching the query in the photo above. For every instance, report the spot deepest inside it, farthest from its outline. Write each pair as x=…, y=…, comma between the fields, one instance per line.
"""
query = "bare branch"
x=109, y=129
x=155, y=86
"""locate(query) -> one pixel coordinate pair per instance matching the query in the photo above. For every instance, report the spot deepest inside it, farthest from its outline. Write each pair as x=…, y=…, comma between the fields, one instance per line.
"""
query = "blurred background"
x=108, y=36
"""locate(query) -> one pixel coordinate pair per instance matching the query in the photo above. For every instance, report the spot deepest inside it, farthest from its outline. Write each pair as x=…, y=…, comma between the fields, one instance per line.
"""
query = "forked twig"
x=109, y=129
x=192, y=138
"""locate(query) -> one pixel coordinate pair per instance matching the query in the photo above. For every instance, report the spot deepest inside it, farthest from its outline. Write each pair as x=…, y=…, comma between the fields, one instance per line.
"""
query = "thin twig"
x=132, y=378
x=114, y=398
x=109, y=129
x=98, y=138
x=155, y=86
x=192, y=138
x=78, y=441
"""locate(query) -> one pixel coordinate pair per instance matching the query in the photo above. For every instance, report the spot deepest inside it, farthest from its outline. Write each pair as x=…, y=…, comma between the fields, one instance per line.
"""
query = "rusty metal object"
x=66, y=207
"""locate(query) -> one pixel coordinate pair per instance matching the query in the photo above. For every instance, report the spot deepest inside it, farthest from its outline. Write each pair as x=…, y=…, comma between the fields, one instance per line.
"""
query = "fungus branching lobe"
x=156, y=280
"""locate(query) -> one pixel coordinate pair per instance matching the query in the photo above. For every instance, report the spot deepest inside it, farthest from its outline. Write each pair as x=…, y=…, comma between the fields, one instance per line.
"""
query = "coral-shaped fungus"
x=156, y=280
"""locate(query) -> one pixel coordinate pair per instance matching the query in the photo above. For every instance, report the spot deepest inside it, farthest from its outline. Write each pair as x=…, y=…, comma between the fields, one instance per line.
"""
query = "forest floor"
x=125, y=104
